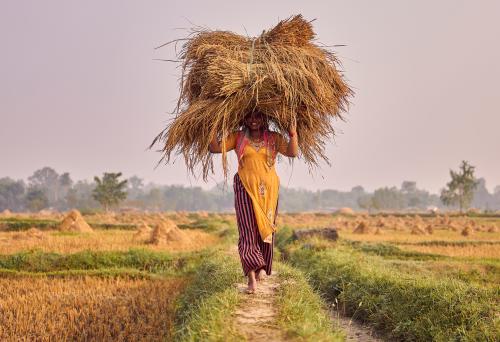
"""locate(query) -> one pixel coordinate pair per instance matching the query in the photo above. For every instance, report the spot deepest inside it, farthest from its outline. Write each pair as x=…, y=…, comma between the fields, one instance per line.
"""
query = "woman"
x=256, y=187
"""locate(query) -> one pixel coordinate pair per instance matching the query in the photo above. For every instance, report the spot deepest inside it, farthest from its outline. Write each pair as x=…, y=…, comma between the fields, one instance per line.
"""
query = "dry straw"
x=282, y=73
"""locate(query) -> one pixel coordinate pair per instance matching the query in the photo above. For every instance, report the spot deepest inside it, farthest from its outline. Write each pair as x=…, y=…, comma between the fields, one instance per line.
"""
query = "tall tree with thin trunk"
x=460, y=190
x=109, y=190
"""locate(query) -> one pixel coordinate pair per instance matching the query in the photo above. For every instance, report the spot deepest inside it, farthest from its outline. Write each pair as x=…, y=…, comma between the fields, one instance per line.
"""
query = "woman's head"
x=255, y=121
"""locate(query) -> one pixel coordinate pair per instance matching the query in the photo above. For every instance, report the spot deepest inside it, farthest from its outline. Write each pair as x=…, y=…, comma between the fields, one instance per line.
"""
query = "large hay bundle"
x=143, y=232
x=280, y=73
x=416, y=229
x=74, y=222
x=362, y=228
x=467, y=231
x=6, y=213
x=166, y=231
x=345, y=211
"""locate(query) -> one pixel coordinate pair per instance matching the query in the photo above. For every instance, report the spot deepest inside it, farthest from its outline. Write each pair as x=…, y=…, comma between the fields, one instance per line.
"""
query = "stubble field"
x=136, y=276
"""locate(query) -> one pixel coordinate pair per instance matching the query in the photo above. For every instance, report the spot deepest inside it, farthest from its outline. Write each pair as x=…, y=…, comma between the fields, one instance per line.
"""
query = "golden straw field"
x=168, y=276
x=115, y=309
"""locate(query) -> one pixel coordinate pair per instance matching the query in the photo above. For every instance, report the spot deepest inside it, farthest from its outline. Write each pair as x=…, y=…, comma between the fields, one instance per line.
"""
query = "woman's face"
x=254, y=121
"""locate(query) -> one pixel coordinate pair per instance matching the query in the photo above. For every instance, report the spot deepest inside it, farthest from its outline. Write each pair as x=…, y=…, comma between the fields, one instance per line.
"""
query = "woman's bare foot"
x=261, y=275
x=252, y=282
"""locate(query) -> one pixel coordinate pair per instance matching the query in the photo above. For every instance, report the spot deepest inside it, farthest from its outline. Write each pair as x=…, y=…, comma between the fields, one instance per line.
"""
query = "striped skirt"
x=255, y=254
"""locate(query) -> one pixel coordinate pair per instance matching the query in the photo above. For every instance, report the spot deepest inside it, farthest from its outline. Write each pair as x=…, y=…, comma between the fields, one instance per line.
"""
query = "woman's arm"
x=216, y=146
x=290, y=149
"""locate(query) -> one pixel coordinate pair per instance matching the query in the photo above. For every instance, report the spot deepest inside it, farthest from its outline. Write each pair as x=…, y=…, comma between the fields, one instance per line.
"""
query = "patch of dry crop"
x=99, y=240
x=406, y=236
x=87, y=309
x=476, y=251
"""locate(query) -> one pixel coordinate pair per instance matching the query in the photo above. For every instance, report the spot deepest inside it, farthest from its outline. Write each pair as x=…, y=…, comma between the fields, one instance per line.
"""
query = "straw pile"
x=345, y=211
x=74, y=222
x=280, y=73
x=166, y=231
x=6, y=213
x=467, y=231
x=362, y=228
x=416, y=229
x=429, y=229
x=143, y=232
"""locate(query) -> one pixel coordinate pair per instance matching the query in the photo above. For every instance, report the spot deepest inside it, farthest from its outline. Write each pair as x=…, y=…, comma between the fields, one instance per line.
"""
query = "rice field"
x=165, y=276
x=98, y=240
x=87, y=308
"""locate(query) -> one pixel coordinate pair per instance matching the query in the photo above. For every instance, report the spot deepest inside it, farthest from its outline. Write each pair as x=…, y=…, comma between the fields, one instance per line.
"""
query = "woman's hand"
x=292, y=149
x=214, y=146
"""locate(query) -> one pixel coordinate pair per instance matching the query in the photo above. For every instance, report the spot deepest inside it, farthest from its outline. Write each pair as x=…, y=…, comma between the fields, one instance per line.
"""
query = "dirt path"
x=256, y=315
x=354, y=330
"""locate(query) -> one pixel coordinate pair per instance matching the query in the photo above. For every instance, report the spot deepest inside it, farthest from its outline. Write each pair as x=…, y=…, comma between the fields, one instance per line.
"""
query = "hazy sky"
x=80, y=91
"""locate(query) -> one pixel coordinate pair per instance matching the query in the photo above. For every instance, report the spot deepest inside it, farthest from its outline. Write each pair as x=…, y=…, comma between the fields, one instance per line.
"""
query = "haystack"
x=492, y=229
x=6, y=213
x=429, y=229
x=143, y=232
x=345, y=211
x=166, y=231
x=379, y=231
x=74, y=222
x=467, y=231
x=417, y=230
x=282, y=73
x=362, y=228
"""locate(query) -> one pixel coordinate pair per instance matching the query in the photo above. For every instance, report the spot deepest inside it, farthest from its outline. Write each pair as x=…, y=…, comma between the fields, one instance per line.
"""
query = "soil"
x=354, y=330
x=256, y=315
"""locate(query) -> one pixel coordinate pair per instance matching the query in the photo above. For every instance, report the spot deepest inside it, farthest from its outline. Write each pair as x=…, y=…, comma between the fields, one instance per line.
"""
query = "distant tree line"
x=47, y=189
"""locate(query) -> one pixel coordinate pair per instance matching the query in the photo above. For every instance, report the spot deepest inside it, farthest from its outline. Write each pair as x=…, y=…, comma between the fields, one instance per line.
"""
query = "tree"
x=36, y=199
x=11, y=194
x=388, y=198
x=109, y=190
x=365, y=202
x=47, y=180
x=135, y=186
x=460, y=190
x=409, y=187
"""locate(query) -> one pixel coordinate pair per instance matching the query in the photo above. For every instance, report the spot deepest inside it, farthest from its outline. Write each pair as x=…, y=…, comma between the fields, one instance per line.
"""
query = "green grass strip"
x=405, y=307
x=205, y=309
x=102, y=273
x=140, y=259
x=301, y=312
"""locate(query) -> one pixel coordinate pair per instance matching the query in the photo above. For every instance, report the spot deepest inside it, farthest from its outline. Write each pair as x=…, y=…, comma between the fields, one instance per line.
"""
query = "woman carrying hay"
x=256, y=187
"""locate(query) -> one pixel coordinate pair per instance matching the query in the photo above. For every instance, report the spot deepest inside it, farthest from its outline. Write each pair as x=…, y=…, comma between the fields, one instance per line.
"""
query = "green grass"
x=18, y=224
x=391, y=251
x=139, y=259
x=206, y=308
x=301, y=312
x=403, y=306
x=450, y=243
x=131, y=273
x=209, y=225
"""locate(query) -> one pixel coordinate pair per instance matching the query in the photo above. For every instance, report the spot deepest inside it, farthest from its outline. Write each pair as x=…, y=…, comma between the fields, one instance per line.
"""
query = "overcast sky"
x=80, y=90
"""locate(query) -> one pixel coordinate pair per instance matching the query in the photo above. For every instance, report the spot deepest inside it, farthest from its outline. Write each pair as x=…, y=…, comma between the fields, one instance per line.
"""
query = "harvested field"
x=474, y=251
x=117, y=309
x=99, y=240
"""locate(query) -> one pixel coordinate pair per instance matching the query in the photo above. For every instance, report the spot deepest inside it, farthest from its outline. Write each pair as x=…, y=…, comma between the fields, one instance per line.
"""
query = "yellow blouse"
x=260, y=181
